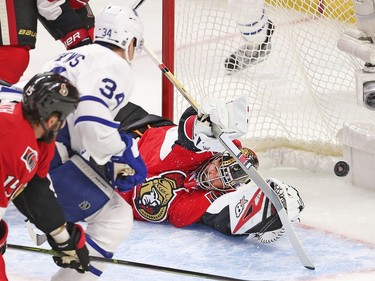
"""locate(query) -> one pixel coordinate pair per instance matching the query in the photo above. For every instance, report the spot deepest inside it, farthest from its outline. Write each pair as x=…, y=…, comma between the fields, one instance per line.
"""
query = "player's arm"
x=135, y=120
x=195, y=129
x=106, y=145
x=188, y=207
x=65, y=24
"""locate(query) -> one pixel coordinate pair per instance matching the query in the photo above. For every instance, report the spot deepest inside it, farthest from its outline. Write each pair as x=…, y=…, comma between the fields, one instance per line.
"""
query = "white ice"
x=337, y=227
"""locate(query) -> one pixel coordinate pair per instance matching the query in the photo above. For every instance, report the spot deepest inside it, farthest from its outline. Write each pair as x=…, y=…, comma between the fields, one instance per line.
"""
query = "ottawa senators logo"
x=30, y=157
x=154, y=197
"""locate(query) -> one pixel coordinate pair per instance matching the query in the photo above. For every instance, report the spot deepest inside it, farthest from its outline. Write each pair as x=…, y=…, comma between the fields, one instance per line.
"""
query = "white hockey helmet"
x=118, y=25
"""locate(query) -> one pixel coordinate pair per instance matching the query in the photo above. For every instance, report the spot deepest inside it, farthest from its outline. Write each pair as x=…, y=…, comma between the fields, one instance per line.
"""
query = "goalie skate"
x=250, y=53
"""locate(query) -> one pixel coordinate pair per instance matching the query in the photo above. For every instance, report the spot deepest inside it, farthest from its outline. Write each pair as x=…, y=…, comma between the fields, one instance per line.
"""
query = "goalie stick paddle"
x=244, y=164
x=131, y=263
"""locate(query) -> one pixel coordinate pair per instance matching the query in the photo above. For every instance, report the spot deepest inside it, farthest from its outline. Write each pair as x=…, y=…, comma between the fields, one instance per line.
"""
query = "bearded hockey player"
x=28, y=131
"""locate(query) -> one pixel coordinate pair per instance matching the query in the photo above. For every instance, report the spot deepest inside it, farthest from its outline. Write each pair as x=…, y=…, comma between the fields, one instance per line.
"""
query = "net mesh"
x=304, y=91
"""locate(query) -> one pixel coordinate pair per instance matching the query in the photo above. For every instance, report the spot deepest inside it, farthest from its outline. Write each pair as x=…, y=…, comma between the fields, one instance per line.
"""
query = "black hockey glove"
x=3, y=236
x=74, y=253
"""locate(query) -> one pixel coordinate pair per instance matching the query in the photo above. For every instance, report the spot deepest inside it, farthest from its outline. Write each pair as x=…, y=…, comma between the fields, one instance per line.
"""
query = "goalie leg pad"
x=238, y=212
x=247, y=211
x=81, y=191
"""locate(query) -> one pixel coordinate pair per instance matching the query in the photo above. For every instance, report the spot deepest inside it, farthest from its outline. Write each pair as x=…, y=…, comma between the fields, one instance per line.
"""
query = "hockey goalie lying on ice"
x=191, y=180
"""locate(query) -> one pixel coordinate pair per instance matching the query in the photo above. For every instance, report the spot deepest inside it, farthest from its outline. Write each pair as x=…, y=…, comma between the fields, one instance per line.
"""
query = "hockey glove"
x=204, y=139
x=231, y=116
x=3, y=236
x=74, y=253
x=130, y=157
x=78, y=4
x=76, y=38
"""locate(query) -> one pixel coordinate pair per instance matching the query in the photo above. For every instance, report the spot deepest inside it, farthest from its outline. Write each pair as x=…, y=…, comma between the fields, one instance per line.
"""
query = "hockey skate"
x=250, y=53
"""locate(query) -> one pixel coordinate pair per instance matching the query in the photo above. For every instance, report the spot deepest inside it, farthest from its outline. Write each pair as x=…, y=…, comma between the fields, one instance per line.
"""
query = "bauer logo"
x=30, y=158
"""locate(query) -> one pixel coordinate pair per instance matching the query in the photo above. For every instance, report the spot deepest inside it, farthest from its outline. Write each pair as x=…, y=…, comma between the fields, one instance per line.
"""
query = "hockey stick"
x=136, y=4
x=131, y=263
x=244, y=164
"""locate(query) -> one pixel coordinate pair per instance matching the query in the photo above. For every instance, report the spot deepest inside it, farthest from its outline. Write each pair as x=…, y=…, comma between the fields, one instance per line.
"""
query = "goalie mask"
x=222, y=172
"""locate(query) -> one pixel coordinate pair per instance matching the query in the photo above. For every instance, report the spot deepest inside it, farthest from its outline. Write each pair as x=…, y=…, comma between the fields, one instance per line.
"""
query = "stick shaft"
x=130, y=263
x=136, y=4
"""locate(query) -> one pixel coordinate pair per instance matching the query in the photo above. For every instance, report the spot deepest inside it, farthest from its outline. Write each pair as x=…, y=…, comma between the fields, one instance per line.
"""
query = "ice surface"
x=337, y=226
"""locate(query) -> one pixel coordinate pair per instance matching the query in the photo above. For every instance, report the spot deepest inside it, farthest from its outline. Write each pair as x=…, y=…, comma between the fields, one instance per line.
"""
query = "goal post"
x=299, y=97
x=168, y=25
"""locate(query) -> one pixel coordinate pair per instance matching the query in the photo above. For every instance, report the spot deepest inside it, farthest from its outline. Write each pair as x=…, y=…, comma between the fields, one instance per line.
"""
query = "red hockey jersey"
x=21, y=155
x=164, y=195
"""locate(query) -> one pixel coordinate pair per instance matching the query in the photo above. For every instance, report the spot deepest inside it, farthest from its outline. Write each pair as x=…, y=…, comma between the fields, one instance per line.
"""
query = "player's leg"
x=106, y=230
x=256, y=30
x=18, y=36
x=247, y=211
x=86, y=196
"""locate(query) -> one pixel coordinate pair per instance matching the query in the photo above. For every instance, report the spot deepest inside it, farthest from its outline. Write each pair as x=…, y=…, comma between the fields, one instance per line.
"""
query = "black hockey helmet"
x=48, y=93
x=228, y=171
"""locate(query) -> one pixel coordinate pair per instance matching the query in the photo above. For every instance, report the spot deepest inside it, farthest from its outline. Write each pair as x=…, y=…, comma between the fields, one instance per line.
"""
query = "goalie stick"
x=131, y=263
x=136, y=4
x=244, y=164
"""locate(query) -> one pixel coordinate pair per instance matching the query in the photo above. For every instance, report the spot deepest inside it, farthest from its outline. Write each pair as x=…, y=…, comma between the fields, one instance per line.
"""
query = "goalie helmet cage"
x=299, y=97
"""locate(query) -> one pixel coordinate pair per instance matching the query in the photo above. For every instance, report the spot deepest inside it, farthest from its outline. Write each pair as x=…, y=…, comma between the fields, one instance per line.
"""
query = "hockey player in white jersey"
x=256, y=31
x=103, y=76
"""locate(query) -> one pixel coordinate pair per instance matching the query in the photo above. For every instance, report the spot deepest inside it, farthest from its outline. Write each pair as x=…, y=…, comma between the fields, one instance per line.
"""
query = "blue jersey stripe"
x=92, y=98
x=58, y=69
x=6, y=89
x=96, y=119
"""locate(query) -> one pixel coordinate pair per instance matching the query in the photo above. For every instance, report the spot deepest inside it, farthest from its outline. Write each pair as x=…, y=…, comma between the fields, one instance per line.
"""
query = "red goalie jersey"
x=182, y=181
x=165, y=194
x=186, y=185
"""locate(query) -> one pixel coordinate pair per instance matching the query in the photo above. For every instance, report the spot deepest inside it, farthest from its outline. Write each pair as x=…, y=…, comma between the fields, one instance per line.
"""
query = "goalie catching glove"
x=74, y=253
x=231, y=117
x=123, y=177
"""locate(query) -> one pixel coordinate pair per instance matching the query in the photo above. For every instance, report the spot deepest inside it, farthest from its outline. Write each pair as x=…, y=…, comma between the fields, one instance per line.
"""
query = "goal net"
x=300, y=96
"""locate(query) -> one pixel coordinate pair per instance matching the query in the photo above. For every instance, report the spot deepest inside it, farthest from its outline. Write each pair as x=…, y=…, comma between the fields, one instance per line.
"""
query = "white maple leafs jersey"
x=105, y=83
